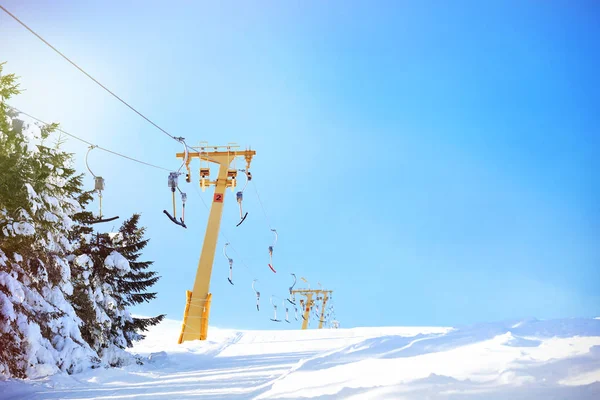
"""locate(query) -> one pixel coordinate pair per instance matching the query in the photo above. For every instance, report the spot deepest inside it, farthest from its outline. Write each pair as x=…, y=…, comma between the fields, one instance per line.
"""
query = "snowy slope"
x=518, y=360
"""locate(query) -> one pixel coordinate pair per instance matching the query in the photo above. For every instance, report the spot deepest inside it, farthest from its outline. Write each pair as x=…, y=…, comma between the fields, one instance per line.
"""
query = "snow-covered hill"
x=528, y=359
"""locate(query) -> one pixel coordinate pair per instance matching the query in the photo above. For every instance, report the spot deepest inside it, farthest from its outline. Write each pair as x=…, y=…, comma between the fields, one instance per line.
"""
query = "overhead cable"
x=88, y=75
x=89, y=143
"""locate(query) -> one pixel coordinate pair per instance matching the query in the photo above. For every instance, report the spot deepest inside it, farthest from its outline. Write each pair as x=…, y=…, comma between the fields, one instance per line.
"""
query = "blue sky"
x=432, y=163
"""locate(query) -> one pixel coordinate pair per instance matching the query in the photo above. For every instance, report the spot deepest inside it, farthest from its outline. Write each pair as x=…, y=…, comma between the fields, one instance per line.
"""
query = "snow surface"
x=527, y=359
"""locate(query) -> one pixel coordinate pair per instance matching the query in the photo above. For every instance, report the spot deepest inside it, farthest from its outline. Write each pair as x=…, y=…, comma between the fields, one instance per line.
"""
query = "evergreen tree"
x=94, y=288
x=97, y=268
x=39, y=329
x=65, y=291
x=134, y=285
x=109, y=278
x=82, y=298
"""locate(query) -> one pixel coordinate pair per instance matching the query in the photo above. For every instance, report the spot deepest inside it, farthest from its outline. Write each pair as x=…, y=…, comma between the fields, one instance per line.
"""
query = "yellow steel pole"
x=309, y=300
x=323, y=310
x=309, y=293
x=197, y=310
x=194, y=328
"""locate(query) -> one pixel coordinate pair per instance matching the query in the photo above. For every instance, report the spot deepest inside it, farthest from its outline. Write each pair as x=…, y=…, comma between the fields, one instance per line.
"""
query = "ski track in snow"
x=519, y=360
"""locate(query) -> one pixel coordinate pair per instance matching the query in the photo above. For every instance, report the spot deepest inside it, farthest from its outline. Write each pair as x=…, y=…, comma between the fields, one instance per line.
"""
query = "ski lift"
x=240, y=196
x=172, y=183
x=295, y=313
x=319, y=298
x=257, y=295
x=274, y=319
x=286, y=312
x=271, y=251
x=315, y=314
x=230, y=279
x=291, y=299
x=98, y=187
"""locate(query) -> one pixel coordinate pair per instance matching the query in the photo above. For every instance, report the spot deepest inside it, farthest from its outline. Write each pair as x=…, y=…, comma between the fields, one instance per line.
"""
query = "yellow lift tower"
x=312, y=296
x=198, y=301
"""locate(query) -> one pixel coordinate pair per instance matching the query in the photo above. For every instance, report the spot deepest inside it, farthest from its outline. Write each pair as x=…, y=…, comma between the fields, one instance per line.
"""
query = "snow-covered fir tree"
x=82, y=298
x=109, y=278
x=65, y=291
x=96, y=268
x=134, y=285
x=39, y=329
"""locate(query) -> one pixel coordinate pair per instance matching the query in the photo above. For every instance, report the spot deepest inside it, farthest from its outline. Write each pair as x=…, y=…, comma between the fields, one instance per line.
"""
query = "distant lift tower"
x=312, y=296
x=198, y=301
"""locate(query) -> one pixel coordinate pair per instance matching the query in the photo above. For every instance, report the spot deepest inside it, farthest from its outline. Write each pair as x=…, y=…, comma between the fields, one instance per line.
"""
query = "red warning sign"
x=218, y=198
